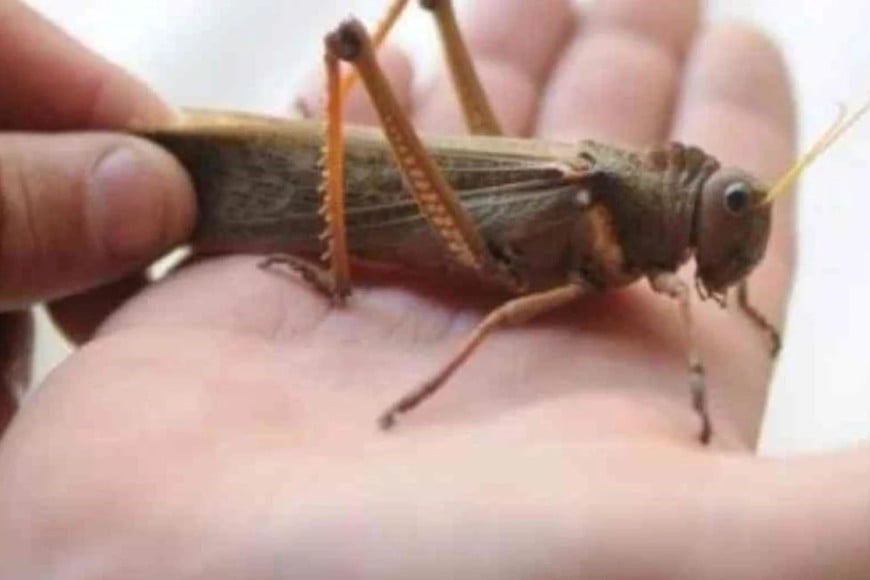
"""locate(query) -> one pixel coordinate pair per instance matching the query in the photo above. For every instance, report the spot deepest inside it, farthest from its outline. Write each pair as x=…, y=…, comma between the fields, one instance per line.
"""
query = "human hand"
x=82, y=213
x=221, y=425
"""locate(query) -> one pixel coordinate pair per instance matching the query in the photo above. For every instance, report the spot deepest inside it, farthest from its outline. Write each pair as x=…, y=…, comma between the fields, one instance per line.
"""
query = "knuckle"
x=22, y=247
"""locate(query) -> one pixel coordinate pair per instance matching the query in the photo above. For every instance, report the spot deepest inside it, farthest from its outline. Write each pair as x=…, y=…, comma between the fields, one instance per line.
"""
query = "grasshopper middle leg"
x=670, y=284
x=514, y=312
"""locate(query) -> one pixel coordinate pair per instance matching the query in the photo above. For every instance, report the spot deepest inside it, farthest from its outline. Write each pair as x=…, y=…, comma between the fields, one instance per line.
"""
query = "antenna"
x=843, y=123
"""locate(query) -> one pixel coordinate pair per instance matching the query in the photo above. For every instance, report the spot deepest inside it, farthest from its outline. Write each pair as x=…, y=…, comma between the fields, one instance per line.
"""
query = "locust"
x=541, y=223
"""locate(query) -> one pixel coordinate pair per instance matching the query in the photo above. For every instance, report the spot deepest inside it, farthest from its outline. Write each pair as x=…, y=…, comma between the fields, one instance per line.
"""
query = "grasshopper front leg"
x=758, y=319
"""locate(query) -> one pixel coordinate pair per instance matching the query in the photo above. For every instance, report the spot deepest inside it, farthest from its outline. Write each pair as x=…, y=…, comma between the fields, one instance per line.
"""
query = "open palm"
x=222, y=422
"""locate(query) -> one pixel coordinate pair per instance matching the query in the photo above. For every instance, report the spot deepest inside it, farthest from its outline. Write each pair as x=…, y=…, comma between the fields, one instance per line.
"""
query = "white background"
x=249, y=53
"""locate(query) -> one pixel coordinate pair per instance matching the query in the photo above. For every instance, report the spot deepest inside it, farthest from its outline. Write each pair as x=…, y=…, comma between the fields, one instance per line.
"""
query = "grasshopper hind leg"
x=321, y=278
x=335, y=280
x=379, y=35
x=476, y=108
x=477, y=111
x=434, y=196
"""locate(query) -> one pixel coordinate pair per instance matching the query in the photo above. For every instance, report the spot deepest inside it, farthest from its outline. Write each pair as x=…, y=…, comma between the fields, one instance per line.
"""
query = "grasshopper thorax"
x=730, y=230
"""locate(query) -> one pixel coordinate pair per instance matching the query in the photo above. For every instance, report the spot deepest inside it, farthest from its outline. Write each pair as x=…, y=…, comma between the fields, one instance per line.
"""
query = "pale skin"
x=221, y=424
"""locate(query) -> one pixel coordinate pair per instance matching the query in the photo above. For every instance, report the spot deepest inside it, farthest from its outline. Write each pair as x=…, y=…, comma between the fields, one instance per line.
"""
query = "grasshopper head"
x=732, y=224
x=732, y=218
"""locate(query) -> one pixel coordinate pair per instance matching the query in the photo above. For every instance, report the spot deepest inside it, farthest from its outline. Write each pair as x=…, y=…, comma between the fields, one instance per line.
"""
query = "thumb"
x=80, y=210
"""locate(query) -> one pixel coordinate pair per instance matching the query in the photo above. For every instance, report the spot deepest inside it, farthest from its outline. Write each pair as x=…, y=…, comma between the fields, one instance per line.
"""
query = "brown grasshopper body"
x=552, y=215
x=546, y=222
x=546, y=210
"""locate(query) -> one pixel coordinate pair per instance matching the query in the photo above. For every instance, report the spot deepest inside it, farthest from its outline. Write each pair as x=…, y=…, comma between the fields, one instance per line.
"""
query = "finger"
x=83, y=209
x=744, y=114
x=357, y=106
x=513, y=64
x=737, y=105
x=36, y=58
x=79, y=316
x=619, y=80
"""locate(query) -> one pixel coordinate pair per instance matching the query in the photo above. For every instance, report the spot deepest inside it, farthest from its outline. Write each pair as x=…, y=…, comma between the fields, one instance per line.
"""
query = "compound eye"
x=737, y=197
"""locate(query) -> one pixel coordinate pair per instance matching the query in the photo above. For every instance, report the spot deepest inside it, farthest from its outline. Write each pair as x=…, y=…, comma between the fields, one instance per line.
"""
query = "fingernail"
x=131, y=191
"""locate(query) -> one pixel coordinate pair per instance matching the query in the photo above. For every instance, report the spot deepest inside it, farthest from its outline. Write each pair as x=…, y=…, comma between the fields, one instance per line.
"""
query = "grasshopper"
x=544, y=223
